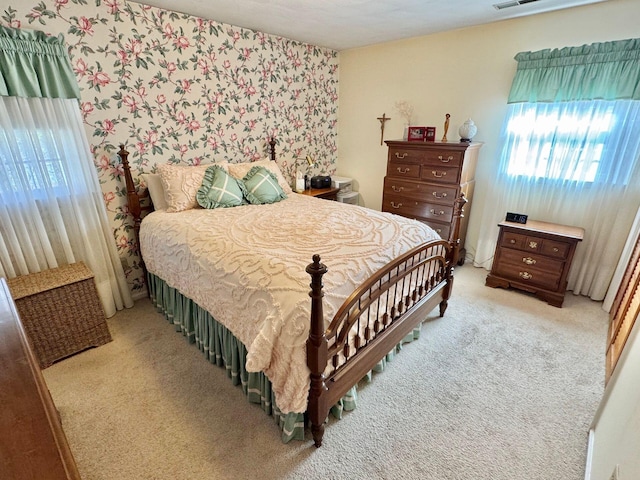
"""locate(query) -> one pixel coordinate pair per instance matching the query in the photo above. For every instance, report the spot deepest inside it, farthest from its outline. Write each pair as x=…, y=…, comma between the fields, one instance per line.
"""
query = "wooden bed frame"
x=427, y=271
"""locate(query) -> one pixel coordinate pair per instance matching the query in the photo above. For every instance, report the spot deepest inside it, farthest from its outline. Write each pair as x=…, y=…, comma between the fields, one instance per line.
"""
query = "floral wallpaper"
x=181, y=89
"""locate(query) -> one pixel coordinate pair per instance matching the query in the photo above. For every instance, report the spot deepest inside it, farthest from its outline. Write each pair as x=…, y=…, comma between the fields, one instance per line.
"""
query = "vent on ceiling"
x=512, y=3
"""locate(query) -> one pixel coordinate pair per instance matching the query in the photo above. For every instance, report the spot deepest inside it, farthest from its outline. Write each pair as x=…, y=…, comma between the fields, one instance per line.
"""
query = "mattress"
x=246, y=266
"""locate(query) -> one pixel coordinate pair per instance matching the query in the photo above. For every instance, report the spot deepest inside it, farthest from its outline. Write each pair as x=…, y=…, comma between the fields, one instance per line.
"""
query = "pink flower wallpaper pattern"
x=181, y=89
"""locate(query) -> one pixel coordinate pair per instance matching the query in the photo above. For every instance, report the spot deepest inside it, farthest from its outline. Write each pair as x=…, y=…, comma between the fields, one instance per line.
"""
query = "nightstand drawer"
x=528, y=275
x=525, y=260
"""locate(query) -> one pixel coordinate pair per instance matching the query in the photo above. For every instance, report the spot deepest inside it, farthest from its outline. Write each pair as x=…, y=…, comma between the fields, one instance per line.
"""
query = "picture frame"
x=416, y=134
x=430, y=134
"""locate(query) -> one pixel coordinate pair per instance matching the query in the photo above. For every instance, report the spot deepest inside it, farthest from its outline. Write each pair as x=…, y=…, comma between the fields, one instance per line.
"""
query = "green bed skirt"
x=222, y=348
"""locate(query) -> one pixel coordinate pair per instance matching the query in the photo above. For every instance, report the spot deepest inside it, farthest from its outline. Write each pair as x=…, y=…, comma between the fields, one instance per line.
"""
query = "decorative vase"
x=467, y=131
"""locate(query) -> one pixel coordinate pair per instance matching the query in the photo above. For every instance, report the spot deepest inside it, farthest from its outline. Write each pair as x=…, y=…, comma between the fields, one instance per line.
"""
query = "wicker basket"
x=60, y=311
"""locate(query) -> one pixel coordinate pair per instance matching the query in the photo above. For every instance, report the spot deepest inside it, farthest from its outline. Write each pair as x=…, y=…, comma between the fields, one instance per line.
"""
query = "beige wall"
x=466, y=73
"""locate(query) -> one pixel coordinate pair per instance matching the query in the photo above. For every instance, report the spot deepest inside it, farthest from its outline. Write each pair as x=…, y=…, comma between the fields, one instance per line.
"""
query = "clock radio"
x=321, y=181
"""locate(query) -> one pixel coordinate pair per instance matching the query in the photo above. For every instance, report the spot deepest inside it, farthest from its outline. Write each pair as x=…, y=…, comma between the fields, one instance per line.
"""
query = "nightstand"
x=326, y=193
x=535, y=257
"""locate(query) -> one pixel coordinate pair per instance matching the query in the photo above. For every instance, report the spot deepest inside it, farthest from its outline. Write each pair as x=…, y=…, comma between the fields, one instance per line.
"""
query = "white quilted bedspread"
x=246, y=266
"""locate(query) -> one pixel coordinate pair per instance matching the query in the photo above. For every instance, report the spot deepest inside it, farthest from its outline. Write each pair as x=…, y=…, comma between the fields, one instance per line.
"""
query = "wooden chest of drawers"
x=534, y=257
x=424, y=179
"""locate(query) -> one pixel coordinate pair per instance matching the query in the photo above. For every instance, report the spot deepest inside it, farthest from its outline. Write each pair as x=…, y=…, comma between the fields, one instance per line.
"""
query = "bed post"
x=317, y=352
x=272, y=149
x=133, y=202
x=454, y=241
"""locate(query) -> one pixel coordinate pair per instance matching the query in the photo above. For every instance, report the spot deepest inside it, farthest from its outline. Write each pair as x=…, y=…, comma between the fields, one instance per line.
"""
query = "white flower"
x=405, y=110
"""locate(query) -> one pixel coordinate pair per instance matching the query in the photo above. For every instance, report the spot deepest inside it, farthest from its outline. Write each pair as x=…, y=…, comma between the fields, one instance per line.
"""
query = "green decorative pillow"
x=261, y=186
x=219, y=189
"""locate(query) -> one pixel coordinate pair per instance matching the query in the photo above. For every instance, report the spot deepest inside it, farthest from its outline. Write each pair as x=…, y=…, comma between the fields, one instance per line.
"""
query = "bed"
x=311, y=294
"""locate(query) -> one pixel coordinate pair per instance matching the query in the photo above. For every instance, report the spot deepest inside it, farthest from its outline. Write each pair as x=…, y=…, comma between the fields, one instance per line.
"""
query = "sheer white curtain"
x=52, y=210
x=573, y=163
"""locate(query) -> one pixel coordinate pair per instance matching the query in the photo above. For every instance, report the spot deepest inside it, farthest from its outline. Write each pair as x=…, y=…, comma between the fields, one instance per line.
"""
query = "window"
x=39, y=170
x=569, y=141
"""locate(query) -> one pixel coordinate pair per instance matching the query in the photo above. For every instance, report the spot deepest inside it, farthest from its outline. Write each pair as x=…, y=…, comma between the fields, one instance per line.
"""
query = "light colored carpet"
x=503, y=387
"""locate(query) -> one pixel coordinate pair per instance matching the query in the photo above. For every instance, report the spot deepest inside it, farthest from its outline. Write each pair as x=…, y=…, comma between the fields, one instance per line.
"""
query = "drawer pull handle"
x=533, y=244
x=556, y=249
x=433, y=212
x=529, y=260
x=435, y=194
x=396, y=189
x=437, y=174
x=525, y=275
x=401, y=156
x=443, y=160
x=393, y=204
x=404, y=170
x=512, y=241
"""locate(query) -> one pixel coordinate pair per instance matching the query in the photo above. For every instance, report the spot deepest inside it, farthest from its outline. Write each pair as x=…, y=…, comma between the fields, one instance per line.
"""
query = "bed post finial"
x=317, y=351
x=272, y=149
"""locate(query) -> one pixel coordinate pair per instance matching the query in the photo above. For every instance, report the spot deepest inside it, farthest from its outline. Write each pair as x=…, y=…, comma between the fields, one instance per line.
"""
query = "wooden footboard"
x=375, y=318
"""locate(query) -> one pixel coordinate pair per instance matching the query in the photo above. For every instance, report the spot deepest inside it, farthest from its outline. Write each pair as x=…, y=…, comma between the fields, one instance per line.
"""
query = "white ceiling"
x=343, y=24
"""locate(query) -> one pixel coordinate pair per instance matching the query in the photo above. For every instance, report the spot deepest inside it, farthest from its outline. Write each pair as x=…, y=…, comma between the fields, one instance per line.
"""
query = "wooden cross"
x=382, y=119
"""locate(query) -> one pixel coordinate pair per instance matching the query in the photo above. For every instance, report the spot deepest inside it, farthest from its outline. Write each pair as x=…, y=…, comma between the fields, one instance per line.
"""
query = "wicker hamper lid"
x=26, y=285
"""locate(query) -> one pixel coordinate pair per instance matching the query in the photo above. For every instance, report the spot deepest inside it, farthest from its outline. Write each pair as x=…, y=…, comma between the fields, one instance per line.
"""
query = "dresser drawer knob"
x=401, y=156
x=525, y=275
x=404, y=170
x=529, y=260
x=435, y=194
x=445, y=160
x=396, y=189
x=437, y=174
x=433, y=212
x=512, y=241
x=393, y=204
x=533, y=244
x=556, y=249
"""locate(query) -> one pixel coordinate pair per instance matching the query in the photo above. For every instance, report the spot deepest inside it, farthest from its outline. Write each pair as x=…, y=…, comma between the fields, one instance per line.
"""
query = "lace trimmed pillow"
x=219, y=189
x=239, y=170
x=181, y=184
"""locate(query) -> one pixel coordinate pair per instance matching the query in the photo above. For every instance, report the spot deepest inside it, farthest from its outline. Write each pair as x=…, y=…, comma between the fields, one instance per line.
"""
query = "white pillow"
x=239, y=170
x=156, y=190
x=181, y=184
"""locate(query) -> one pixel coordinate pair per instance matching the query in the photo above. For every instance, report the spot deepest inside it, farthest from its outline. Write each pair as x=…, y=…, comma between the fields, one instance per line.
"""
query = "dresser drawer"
x=447, y=158
x=420, y=191
x=411, y=208
x=403, y=170
x=440, y=174
x=528, y=275
x=442, y=229
x=401, y=155
x=525, y=260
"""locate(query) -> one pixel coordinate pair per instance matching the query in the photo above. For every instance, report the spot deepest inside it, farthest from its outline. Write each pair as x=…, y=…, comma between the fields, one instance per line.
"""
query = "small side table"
x=60, y=311
x=326, y=193
x=535, y=257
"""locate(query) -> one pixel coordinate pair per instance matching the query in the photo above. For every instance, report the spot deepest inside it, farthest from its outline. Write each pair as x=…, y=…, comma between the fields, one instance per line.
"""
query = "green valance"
x=33, y=64
x=600, y=71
